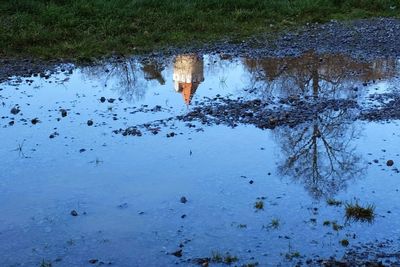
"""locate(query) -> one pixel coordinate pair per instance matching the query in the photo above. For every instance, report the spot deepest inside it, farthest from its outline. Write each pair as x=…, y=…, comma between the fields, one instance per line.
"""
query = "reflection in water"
x=319, y=152
x=152, y=71
x=331, y=75
x=188, y=74
x=129, y=77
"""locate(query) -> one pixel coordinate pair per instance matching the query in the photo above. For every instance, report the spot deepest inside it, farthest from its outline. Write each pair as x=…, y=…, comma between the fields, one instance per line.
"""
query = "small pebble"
x=177, y=253
x=15, y=110
x=63, y=113
x=93, y=261
x=390, y=163
x=34, y=121
x=183, y=200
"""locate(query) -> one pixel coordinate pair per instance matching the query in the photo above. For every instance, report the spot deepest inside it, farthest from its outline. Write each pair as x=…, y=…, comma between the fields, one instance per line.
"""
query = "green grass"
x=336, y=227
x=83, y=29
x=292, y=255
x=45, y=264
x=217, y=257
x=333, y=202
x=227, y=259
x=259, y=205
x=275, y=223
x=326, y=223
x=356, y=212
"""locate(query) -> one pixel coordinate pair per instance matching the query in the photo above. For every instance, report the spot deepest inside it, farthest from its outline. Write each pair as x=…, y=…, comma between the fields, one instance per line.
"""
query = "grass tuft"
x=259, y=205
x=326, y=223
x=275, y=223
x=336, y=227
x=356, y=212
x=227, y=259
x=292, y=255
x=216, y=257
x=333, y=202
x=45, y=264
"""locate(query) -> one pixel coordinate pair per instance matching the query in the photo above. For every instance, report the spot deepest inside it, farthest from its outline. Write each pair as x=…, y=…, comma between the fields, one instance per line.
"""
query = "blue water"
x=127, y=189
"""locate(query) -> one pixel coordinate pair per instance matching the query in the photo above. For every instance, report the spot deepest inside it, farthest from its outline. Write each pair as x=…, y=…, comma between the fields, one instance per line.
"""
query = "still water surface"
x=127, y=190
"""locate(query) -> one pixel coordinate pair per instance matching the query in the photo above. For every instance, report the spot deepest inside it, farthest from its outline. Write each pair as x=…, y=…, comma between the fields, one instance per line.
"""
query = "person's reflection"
x=188, y=74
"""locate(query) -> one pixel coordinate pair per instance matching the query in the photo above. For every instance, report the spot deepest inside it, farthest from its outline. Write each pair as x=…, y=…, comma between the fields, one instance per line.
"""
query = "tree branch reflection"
x=333, y=76
x=319, y=152
x=128, y=76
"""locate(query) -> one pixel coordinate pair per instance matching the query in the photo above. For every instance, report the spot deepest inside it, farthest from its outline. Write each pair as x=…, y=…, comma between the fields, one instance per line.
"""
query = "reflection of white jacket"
x=188, y=69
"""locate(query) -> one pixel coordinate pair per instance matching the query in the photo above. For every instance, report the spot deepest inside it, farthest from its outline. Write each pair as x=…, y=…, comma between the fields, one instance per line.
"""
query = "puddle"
x=62, y=151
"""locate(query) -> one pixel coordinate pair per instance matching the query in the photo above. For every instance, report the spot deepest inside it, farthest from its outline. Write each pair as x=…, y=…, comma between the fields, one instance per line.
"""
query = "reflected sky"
x=127, y=189
x=332, y=76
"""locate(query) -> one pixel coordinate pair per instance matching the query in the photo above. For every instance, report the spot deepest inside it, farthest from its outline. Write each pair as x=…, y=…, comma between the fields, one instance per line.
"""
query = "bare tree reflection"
x=320, y=153
x=152, y=71
x=333, y=75
x=128, y=76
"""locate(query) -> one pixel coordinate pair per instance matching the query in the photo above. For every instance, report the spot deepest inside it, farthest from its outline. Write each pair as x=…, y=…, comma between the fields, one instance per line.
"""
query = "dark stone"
x=53, y=135
x=34, y=121
x=93, y=261
x=183, y=200
x=172, y=134
x=63, y=113
x=15, y=110
x=123, y=205
x=74, y=213
x=177, y=253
